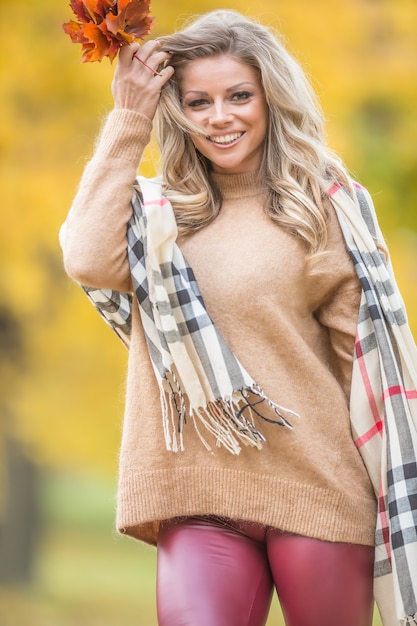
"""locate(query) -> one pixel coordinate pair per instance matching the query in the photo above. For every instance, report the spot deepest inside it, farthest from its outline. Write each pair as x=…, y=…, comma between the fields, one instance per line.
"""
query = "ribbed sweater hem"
x=149, y=497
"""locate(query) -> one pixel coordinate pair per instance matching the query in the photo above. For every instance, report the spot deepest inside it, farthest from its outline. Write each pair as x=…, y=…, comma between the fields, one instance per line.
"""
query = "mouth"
x=225, y=140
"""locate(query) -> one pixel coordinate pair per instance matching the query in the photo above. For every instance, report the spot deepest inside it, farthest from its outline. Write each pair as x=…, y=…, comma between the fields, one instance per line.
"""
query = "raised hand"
x=137, y=81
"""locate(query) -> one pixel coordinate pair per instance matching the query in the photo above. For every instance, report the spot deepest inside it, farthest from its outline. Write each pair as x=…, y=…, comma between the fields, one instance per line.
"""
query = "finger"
x=126, y=53
x=144, y=64
x=153, y=62
x=165, y=74
x=128, y=50
x=147, y=49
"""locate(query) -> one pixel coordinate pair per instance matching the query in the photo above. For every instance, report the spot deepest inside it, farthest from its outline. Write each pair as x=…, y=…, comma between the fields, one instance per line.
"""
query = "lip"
x=228, y=144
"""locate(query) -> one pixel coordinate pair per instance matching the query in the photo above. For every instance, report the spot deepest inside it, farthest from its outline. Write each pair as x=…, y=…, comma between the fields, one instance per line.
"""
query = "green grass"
x=85, y=574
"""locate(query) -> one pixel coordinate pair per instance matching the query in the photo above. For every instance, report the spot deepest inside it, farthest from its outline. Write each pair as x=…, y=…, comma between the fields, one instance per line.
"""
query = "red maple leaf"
x=103, y=26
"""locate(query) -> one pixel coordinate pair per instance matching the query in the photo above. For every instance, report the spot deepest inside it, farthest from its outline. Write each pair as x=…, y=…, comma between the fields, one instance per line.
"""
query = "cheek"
x=262, y=116
x=264, y=131
x=194, y=116
x=199, y=143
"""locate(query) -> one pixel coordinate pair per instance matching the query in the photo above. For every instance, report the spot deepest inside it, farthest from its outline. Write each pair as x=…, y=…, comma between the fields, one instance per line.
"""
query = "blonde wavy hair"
x=296, y=165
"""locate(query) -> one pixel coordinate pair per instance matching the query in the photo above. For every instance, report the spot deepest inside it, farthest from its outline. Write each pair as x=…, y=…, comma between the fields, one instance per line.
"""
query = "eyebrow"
x=232, y=88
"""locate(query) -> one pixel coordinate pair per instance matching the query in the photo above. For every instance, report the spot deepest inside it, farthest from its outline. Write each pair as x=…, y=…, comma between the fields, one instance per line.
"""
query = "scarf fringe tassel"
x=231, y=421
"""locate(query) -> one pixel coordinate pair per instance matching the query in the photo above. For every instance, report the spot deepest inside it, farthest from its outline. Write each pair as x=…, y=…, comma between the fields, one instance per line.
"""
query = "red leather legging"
x=218, y=572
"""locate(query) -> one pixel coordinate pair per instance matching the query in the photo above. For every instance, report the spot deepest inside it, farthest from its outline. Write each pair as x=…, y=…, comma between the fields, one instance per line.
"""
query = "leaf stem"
x=155, y=72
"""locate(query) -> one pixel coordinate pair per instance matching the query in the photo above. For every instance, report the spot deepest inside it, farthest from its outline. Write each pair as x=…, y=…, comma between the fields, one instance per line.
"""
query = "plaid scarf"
x=201, y=380
x=383, y=407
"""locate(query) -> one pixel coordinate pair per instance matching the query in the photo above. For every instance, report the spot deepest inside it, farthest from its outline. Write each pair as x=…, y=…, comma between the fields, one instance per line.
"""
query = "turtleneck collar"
x=234, y=186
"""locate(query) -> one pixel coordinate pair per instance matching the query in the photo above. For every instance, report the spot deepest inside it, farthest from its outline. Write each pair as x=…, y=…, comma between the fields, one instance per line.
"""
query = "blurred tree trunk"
x=19, y=523
x=19, y=514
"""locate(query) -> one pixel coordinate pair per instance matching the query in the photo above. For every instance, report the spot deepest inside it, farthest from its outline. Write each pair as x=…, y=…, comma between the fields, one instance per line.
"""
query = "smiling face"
x=225, y=97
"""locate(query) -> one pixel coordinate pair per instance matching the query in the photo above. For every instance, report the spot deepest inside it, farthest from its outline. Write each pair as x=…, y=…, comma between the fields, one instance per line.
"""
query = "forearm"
x=95, y=248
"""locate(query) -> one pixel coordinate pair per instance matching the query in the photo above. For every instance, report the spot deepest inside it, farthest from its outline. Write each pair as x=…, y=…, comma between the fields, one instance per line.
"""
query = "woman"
x=265, y=215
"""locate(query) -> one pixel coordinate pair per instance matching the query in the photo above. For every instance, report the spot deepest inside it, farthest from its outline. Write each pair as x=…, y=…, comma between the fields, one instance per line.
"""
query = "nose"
x=219, y=113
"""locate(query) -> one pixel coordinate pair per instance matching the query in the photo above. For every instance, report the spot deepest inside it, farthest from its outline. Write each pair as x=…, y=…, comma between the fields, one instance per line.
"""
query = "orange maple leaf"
x=104, y=26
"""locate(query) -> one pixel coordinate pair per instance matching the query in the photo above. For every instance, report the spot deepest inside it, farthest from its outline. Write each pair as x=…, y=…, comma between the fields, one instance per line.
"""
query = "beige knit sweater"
x=293, y=332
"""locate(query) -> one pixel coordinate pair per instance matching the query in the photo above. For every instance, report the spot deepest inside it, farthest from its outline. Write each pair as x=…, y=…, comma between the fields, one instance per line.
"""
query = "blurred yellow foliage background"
x=61, y=370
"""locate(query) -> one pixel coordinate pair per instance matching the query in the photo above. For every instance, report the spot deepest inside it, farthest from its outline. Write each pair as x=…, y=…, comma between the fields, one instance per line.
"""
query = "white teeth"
x=225, y=138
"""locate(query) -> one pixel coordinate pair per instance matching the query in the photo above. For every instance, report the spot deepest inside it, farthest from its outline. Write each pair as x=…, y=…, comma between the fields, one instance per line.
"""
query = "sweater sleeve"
x=339, y=306
x=94, y=235
x=339, y=314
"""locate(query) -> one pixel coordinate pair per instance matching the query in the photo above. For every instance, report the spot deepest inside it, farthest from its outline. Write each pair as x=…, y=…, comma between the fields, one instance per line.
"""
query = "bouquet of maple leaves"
x=104, y=26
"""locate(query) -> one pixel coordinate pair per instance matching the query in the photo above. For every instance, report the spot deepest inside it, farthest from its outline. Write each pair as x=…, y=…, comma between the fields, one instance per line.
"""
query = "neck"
x=247, y=184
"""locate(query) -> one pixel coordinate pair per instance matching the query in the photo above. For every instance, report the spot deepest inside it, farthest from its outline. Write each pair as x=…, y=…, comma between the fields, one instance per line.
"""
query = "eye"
x=198, y=103
x=241, y=96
